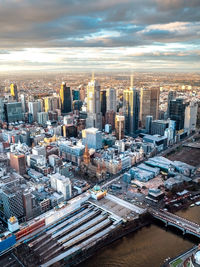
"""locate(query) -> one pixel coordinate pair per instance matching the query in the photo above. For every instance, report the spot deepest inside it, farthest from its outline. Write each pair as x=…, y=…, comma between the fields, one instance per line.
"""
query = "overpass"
x=168, y=218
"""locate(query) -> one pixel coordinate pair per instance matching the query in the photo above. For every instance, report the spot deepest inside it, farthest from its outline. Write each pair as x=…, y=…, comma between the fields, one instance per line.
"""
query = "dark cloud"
x=60, y=23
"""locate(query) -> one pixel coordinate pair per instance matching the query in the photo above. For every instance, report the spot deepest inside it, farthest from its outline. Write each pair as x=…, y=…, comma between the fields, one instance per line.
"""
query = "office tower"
x=51, y=103
x=34, y=108
x=18, y=162
x=13, y=91
x=148, y=122
x=131, y=105
x=82, y=93
x=76, y=95
x=61, y=184
x=110, y=118
x=2, y=114
x=92, y=137
x=159, y=127
x=94, y=116
x=77, y=105
x=177, y=112
x=171, y=96
x=13, y=112
x=23, y=101
x=111, y=99
x=66, y=99
x=191, y=116
x=119, y=126
x=42, y=118
x=149, y=103
x=103, y=102
x=12, y=201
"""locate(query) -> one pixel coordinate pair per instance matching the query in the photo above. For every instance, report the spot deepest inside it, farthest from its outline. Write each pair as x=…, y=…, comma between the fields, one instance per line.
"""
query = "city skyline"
x=106, y=35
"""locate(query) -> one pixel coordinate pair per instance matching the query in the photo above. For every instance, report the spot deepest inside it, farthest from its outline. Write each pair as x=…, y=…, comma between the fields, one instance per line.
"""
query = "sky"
x=85, y=35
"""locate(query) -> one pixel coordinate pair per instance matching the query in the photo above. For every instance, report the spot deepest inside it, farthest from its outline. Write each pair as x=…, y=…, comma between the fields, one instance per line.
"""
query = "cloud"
x=173, y=25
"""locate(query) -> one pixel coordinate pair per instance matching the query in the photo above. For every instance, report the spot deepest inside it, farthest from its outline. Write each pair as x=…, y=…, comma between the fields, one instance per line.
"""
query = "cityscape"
x=100, y=133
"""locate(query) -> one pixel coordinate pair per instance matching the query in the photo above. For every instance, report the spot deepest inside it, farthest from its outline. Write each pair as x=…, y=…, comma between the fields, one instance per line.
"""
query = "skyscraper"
x=66, y=98
x=149, y=103
x=119, y=126
x=177, y=112
x=111, y=99
x=13, y=91
x=103, y=102
x=94, y=116
x=191, y=116
x=131, y=105
x=171, y=96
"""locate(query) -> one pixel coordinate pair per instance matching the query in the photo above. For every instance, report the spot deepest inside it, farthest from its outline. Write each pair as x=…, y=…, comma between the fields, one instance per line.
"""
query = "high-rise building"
x=148, y=122
x=42, y=118
x=66, y=98
x=110, y=118
x=34, y=108
x=131, y=105
x=177, y=112
x=111, y=99
x=119, y=126
x=149, y=103
x=103, y=102
x=159, y=127
x=191, y=116
x=76, y=95
x=82, y=93
x=23, y=101
x=12, y=201
x=171, y=96
x=92, y=137
x=51, y=103
x=13, y=112
x=94, y=115
x=13, y=91
x=18, y=162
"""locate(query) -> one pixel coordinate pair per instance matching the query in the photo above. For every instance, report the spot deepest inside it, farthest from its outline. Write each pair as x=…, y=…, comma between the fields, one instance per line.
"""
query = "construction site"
x=75, y=236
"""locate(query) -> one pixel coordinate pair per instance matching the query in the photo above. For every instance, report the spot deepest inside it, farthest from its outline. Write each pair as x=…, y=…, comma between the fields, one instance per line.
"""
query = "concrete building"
x=119, y=126
x=111, y=100
x=42, y=118
x=34, y=108
x=92, y=137
x=18, y=162
x=149, y=103
x=12, y=201
x=191, y=117
x=159, y=127
x=62, y=185
x=13, y=112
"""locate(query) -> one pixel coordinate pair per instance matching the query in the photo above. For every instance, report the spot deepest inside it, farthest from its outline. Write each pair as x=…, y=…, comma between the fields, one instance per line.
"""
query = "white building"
x=61, y=184
x=190, y=117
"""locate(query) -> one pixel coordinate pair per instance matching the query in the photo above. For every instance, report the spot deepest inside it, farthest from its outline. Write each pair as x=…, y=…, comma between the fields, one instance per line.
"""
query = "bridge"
x=168, y=218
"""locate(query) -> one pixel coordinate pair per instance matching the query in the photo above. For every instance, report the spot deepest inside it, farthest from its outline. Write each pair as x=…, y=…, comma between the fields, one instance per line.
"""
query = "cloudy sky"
x=100, y=34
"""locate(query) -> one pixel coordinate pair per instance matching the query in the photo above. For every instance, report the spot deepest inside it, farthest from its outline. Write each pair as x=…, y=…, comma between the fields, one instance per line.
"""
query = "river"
x=148, y=247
